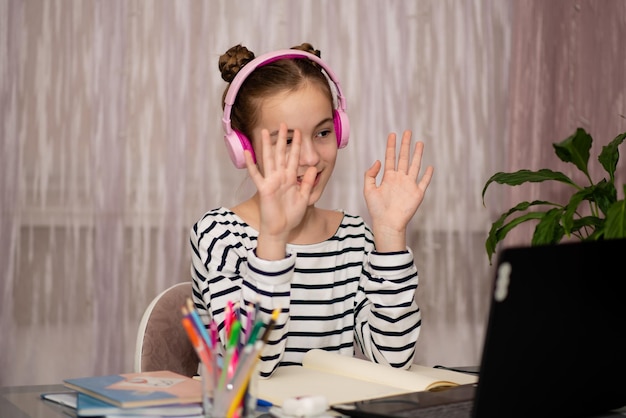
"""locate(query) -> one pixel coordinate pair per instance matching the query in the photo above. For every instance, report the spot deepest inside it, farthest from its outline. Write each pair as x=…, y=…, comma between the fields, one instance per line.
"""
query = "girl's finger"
x=426, y=178
x=293, y=159
x=416, y=162
x=390, y=152
x=405, y=152
x=268, y=160
x=253, y=170
x=281, y=145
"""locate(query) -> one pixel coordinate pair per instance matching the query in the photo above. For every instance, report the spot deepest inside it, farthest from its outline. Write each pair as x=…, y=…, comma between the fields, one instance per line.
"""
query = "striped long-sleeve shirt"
x=330, y=293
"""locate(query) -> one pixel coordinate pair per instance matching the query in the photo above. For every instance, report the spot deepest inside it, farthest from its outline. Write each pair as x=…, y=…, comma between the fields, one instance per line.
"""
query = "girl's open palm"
x=283, y=199
x=395, y=200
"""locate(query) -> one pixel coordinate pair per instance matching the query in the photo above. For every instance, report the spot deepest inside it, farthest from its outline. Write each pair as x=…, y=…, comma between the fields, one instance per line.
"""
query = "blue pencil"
x=198, y=323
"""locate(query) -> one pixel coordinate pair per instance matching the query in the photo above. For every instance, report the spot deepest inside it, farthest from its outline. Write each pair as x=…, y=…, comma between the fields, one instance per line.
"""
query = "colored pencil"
x=201, y=349
x=270, y=325
x=198, y=323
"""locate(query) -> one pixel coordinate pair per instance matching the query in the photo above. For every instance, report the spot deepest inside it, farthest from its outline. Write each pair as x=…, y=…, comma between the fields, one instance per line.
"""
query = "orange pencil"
x=198, y=344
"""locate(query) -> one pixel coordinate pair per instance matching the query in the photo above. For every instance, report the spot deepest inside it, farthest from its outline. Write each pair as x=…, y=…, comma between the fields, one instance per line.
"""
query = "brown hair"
x=279, y=76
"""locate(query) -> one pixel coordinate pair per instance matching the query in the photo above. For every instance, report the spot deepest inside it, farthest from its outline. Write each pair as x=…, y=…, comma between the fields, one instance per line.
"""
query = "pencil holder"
x=223, y=402
x=233, y=394
x=224, y=405
x=228, y=401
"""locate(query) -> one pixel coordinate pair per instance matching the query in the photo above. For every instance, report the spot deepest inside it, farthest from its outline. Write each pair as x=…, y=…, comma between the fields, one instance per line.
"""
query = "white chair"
x=162, y=343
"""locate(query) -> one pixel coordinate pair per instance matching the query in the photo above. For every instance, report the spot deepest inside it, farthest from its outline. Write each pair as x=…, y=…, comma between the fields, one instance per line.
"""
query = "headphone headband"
x=236, y=142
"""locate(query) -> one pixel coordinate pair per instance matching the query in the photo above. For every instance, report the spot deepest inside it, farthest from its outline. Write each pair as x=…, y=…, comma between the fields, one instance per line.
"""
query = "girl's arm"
x=388, y=319
x=225, y=270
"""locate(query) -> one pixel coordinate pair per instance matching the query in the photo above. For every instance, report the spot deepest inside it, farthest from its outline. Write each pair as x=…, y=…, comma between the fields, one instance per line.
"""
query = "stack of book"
x=168, y=394
x=159, y=393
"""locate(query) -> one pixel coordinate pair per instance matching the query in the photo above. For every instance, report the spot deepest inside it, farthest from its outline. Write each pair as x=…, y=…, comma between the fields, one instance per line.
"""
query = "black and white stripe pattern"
x=329, y=293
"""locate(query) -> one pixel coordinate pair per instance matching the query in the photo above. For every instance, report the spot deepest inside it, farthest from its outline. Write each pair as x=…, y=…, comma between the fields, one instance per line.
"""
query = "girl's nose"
x=309, y=156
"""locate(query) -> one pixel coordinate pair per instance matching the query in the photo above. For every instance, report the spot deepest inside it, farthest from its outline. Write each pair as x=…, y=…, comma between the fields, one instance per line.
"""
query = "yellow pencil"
x=270, y=324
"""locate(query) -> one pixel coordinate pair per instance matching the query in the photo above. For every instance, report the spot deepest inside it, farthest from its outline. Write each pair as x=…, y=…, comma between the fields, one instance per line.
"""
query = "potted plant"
x=604, y=216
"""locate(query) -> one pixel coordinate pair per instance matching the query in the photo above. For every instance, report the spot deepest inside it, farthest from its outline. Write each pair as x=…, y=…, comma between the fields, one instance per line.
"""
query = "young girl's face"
x=310, y=111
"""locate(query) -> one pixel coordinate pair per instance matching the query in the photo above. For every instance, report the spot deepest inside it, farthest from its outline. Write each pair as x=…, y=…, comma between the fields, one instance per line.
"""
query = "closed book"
x=131, y=390
x=88, y=406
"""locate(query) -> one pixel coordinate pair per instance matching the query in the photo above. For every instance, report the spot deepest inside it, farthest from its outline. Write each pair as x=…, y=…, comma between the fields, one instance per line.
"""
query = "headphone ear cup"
x=236, y=144
x=342, y=127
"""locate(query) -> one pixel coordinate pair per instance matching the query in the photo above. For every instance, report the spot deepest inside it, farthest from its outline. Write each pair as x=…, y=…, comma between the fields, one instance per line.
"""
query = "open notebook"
x=555, y=342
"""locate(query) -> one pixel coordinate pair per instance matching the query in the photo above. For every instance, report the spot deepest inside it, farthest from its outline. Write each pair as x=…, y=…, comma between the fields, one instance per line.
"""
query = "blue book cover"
x=87, y=406
x=132, y=390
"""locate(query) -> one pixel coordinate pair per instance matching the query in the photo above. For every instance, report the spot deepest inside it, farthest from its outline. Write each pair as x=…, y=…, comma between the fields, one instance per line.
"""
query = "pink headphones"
x=237, y=143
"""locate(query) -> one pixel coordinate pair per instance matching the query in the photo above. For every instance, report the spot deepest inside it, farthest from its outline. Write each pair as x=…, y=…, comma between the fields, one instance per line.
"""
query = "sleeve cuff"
x=271, y=271
x=391, y=261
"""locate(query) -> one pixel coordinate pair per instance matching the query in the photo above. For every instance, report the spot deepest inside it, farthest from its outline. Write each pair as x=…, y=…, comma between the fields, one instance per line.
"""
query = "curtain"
x=111, y=146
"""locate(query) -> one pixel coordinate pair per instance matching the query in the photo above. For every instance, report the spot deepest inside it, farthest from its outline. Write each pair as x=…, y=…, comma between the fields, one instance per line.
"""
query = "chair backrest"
x=162, y=343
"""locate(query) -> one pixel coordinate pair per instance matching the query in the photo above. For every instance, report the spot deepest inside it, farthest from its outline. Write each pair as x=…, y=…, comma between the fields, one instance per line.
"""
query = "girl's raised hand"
x=393, y=203
x=283, y=198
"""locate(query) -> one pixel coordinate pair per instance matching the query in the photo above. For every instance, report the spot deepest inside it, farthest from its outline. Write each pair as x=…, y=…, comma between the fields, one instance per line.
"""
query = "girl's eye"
x=324, y=133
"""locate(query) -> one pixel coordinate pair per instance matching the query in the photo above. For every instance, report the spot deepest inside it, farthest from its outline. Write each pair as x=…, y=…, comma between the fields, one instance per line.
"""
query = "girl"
x=332, y=279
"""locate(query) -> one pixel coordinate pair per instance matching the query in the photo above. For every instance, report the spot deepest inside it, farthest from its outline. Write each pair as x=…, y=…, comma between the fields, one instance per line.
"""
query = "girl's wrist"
x=388, y=240
x=271, y=248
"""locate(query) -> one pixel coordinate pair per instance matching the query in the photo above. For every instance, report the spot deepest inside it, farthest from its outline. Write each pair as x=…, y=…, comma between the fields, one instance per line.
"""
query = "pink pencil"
x=228, y=318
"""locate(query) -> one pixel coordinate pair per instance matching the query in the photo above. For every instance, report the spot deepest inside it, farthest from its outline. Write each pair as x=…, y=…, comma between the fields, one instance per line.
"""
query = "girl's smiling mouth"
x=317, y=178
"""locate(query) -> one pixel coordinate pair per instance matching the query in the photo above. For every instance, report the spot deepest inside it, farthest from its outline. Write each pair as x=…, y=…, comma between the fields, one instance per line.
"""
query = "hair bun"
x=307, y=47
x=232, y=60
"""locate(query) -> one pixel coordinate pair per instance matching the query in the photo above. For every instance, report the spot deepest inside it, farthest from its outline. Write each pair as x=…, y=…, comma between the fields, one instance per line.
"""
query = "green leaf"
x=523, y=176
x=499, y=229
x=572, y=206
x=549, y=229
x=594, y=224
x=597, y=235
x=610, y=155
x=520, y=207
x=615, y=225
x=603, y=194
x=575, y=150
x=499, y=234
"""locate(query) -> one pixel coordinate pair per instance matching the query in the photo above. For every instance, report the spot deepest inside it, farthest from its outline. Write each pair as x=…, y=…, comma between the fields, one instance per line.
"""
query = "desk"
x=25, y=402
